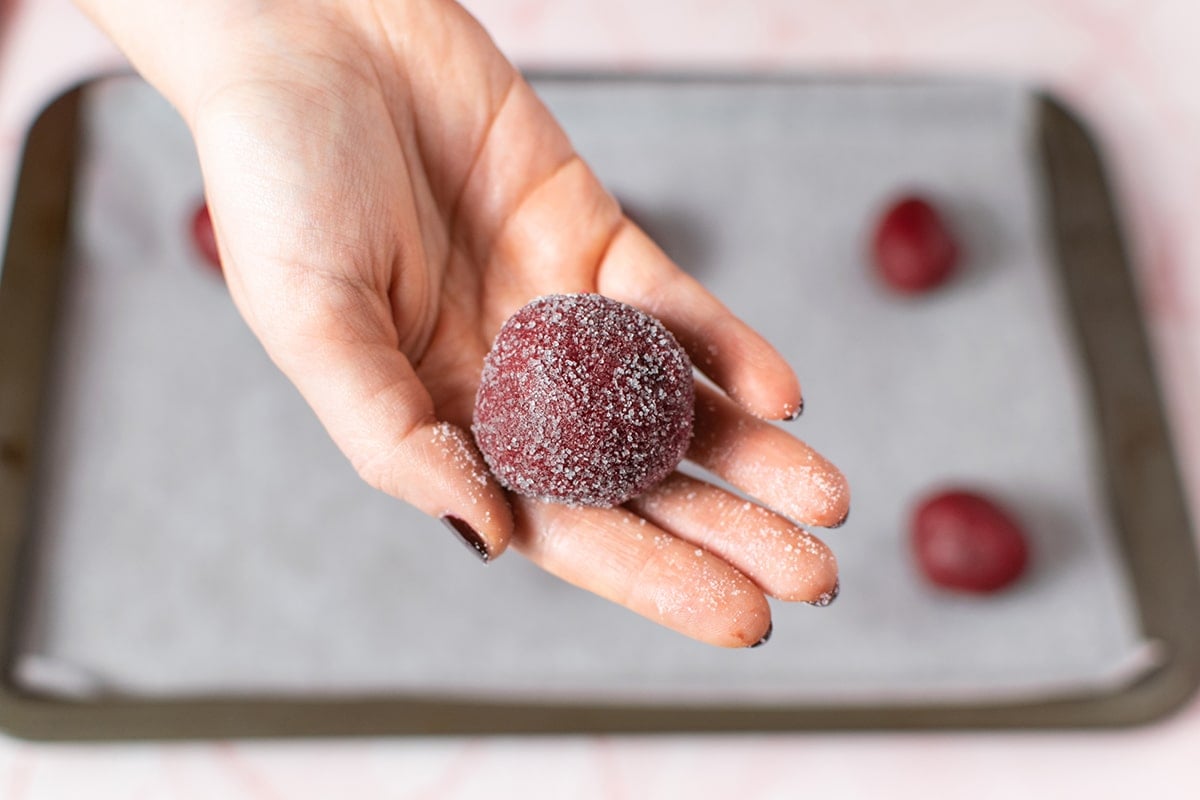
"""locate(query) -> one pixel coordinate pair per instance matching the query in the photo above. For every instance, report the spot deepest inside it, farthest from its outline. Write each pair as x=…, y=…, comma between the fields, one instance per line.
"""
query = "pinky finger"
x=723, y=347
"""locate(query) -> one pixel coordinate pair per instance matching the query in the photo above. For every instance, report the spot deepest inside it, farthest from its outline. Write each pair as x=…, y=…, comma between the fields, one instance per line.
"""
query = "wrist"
x=184, y=48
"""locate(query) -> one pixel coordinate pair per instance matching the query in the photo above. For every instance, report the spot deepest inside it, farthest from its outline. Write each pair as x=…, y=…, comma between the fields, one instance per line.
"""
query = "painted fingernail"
x=795, y=415
x=841, y=521
x=766, y=636
x=828, y=597
x=467, y=535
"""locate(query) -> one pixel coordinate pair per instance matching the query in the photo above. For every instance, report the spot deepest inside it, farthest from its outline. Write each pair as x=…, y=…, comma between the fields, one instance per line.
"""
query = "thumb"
x=337, y=344
x=310, y=229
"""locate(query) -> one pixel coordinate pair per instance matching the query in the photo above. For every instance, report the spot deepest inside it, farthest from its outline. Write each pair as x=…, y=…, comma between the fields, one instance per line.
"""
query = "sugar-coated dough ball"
x=584, y=400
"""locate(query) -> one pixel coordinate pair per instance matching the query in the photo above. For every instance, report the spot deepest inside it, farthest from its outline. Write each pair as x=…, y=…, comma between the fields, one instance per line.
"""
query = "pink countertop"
x=1128, y=65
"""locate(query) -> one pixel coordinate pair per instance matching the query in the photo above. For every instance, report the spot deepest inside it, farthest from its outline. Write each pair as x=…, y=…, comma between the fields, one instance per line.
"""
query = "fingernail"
x=467, y=535
x=841, y=521
x=766, y=636
x=795, y=415
x=828, y=597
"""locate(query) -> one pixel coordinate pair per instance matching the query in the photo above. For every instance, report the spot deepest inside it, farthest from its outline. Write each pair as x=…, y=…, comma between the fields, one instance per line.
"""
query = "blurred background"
x=1128, y=69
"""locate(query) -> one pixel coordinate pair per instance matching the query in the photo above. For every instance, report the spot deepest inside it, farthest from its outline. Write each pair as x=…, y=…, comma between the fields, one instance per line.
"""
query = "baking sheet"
x=199, y=534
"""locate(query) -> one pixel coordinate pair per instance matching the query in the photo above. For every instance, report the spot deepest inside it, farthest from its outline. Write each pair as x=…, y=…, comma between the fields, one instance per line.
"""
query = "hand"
x=386, y=190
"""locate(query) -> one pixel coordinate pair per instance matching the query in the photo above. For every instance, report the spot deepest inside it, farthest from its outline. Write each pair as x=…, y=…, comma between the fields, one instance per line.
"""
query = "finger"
x=782, y=559
x=721, y=346
x=765, y=462
x=621, y=557
x=334, y=343
x=538, y=218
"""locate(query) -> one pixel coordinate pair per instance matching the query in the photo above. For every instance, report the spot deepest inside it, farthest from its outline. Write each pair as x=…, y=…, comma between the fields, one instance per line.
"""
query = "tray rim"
x=1146, y=496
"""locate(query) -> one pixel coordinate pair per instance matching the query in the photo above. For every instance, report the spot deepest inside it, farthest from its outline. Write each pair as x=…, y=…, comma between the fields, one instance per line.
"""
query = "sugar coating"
x=455, y=446
x=583, y=400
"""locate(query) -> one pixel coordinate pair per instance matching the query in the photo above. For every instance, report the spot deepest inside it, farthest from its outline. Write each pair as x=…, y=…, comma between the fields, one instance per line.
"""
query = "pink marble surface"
x=1127, y=65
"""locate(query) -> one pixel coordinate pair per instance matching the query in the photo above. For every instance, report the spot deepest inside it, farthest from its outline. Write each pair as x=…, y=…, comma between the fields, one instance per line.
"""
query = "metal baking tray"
x=1139, y=473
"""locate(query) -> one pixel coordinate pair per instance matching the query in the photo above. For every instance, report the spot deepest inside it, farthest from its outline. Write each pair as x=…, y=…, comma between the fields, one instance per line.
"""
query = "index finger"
x=624, y=558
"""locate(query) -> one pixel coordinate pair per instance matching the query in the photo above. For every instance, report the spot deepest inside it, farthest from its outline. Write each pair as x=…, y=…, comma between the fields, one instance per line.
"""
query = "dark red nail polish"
x=828, y=597
x=766, y=636
x=467, y=535
x=841, y=521
x=795, y=415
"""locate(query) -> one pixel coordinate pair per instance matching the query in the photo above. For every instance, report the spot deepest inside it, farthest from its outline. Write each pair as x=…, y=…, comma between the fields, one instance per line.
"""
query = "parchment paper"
x=198, y=533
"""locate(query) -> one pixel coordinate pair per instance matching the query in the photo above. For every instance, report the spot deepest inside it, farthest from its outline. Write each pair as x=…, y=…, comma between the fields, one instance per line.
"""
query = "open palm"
x=386, y=191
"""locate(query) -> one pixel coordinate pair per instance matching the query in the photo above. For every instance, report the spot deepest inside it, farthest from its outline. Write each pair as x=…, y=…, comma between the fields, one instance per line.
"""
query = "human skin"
x=386, y=190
